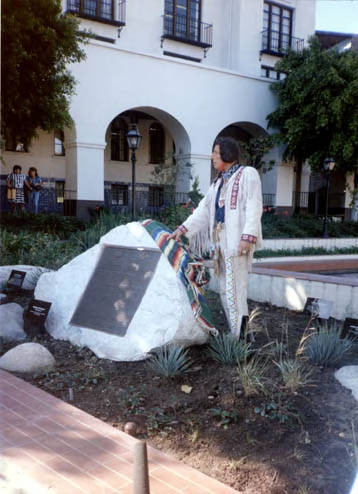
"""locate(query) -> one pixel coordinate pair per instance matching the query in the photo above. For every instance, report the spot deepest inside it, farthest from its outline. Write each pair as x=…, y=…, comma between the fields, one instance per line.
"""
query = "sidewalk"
x=49, y=446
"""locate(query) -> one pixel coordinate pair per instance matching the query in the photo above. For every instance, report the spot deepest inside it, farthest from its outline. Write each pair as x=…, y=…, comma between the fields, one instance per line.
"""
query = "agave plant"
x=228, y=350
x=170, y=361
x=324, y=346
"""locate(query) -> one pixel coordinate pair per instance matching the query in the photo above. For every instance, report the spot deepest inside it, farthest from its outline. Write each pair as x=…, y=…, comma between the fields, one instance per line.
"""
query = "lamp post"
x=134, y=140
x=328, y=166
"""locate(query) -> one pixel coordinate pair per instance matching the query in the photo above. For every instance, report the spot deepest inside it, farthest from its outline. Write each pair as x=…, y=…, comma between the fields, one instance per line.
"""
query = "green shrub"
x=170, y=361
x=174, y=216
x=294, y=374
x=304, y=226
x=279, y=409
x=228, y=350
x=252, y=375
x=325, y=346
x=54, y=224
x=305, y=251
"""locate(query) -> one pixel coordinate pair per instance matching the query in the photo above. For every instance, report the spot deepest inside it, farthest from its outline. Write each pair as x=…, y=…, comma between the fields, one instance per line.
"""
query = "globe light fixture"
x=134, y=140
x=328, y=167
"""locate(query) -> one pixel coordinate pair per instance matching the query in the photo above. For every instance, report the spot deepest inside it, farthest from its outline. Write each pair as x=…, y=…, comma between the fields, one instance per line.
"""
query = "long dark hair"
x=229, y=149
x=33, y=169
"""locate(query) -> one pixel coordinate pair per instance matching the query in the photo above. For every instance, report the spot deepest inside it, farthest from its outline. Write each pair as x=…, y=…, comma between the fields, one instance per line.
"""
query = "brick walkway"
x=49, y=446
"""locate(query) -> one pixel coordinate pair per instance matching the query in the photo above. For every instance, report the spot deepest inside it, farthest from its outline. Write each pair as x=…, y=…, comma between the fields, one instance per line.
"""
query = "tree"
x=317, y=115
x=39, y=42
x=254, y=151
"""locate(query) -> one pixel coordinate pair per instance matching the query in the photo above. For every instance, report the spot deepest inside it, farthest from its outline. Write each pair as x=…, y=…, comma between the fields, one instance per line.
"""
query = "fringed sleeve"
x=198, y=226
x=253, y=203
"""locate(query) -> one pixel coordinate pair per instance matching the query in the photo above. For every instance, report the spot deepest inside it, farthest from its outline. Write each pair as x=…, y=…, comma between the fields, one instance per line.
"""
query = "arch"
x=175, y=129
x=243, y=131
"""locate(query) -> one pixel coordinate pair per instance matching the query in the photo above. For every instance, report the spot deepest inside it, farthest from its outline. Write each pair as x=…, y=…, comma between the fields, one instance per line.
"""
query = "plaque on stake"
x=350, y=327
x=319, y=307
x=35, y=316
x=15, y=281
x=116, y=288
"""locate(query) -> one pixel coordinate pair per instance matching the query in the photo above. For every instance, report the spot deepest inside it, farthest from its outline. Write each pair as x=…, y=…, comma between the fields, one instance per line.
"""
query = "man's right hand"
x=176, y=235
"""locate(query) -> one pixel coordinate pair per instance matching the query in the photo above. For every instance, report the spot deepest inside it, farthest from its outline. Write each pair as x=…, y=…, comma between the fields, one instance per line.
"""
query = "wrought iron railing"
x=108, y=11
x=300, y=199
x=182, y=28
x=269, y=199
x=149, y=202
x=278, y=43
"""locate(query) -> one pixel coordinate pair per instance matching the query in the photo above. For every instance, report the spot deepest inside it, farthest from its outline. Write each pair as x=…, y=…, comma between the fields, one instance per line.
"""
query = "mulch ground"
x=214, y=427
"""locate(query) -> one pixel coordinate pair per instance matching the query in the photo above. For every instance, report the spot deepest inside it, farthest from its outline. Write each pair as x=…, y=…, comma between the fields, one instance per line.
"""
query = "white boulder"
x=28, y=357
x=348, y=377
x=32, y=275
x=164, y=315
x=12, y=322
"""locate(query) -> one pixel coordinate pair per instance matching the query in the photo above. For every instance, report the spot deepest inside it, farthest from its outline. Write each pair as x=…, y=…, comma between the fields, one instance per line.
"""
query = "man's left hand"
x=244, y=248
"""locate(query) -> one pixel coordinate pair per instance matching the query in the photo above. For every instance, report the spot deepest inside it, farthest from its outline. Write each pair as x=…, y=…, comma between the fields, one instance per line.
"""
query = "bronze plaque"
x=16, y=279
x=116, y=288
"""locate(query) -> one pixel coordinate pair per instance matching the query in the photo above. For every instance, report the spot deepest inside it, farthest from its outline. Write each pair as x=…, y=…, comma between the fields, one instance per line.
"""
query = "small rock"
x=28, y=357
x=12, y=322
x=348, y=377
x=130, y=428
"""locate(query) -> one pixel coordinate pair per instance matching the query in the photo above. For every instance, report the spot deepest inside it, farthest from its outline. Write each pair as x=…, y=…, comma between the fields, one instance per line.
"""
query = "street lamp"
x=328, y=166
x=134, y=139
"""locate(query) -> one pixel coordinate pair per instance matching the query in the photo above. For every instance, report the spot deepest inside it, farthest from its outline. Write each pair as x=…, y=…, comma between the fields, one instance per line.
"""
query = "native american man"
x=228, y=221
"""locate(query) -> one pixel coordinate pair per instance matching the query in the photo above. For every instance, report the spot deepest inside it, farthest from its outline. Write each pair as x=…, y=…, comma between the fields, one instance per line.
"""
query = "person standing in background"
x=15, y=183
x=35, y=184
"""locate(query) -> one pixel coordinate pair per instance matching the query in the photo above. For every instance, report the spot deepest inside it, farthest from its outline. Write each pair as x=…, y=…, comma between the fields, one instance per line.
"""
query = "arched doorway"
x=243, y=133
x=161, y=173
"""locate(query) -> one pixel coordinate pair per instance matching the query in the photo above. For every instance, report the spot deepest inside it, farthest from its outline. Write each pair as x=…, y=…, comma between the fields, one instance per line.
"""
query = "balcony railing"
x=180, y=28
x=278, y=43
x=108, y=11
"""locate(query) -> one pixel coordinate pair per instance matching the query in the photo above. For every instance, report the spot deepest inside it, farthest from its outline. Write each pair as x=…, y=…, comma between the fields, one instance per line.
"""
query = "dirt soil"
x=214, y=428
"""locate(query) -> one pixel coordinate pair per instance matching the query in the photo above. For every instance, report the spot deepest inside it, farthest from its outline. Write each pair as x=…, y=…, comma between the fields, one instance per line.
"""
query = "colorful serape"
x=191, y=272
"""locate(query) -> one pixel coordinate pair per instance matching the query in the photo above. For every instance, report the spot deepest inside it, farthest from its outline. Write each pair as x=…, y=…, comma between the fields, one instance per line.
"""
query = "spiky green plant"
x=228, y=350
x=325, y=346
x=294, y=374
x=170, y=361
x=253, y=376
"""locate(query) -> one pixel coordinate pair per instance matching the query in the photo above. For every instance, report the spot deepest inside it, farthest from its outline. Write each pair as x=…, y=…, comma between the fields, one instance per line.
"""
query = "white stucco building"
x=184, y=71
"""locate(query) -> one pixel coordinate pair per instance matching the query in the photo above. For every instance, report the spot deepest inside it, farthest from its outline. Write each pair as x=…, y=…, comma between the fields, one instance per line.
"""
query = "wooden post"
x=141, y=475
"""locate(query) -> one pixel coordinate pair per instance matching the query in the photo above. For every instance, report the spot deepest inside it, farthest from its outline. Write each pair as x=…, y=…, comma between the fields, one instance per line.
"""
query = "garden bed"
x=214, y=427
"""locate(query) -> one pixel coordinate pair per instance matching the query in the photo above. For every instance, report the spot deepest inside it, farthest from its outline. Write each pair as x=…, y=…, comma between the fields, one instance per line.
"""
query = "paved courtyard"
x=47, y=445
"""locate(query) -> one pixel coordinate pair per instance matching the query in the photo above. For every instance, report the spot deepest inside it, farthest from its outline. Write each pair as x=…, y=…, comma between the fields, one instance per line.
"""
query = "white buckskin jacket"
x=243, y=210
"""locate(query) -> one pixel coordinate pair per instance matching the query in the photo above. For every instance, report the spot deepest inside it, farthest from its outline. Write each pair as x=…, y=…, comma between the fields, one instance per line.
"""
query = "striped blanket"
x=191, y=272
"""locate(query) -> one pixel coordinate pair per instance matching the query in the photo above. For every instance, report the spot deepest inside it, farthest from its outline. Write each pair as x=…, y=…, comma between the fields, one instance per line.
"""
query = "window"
x=12, y=143
x=119, y=194
x=60, y=192
x=156, y=196
x=92, y=8
x=59, y=141
x=277, y=26
x=119, y=145
x=271, y=73
x=156, y=143
x=182, y=19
